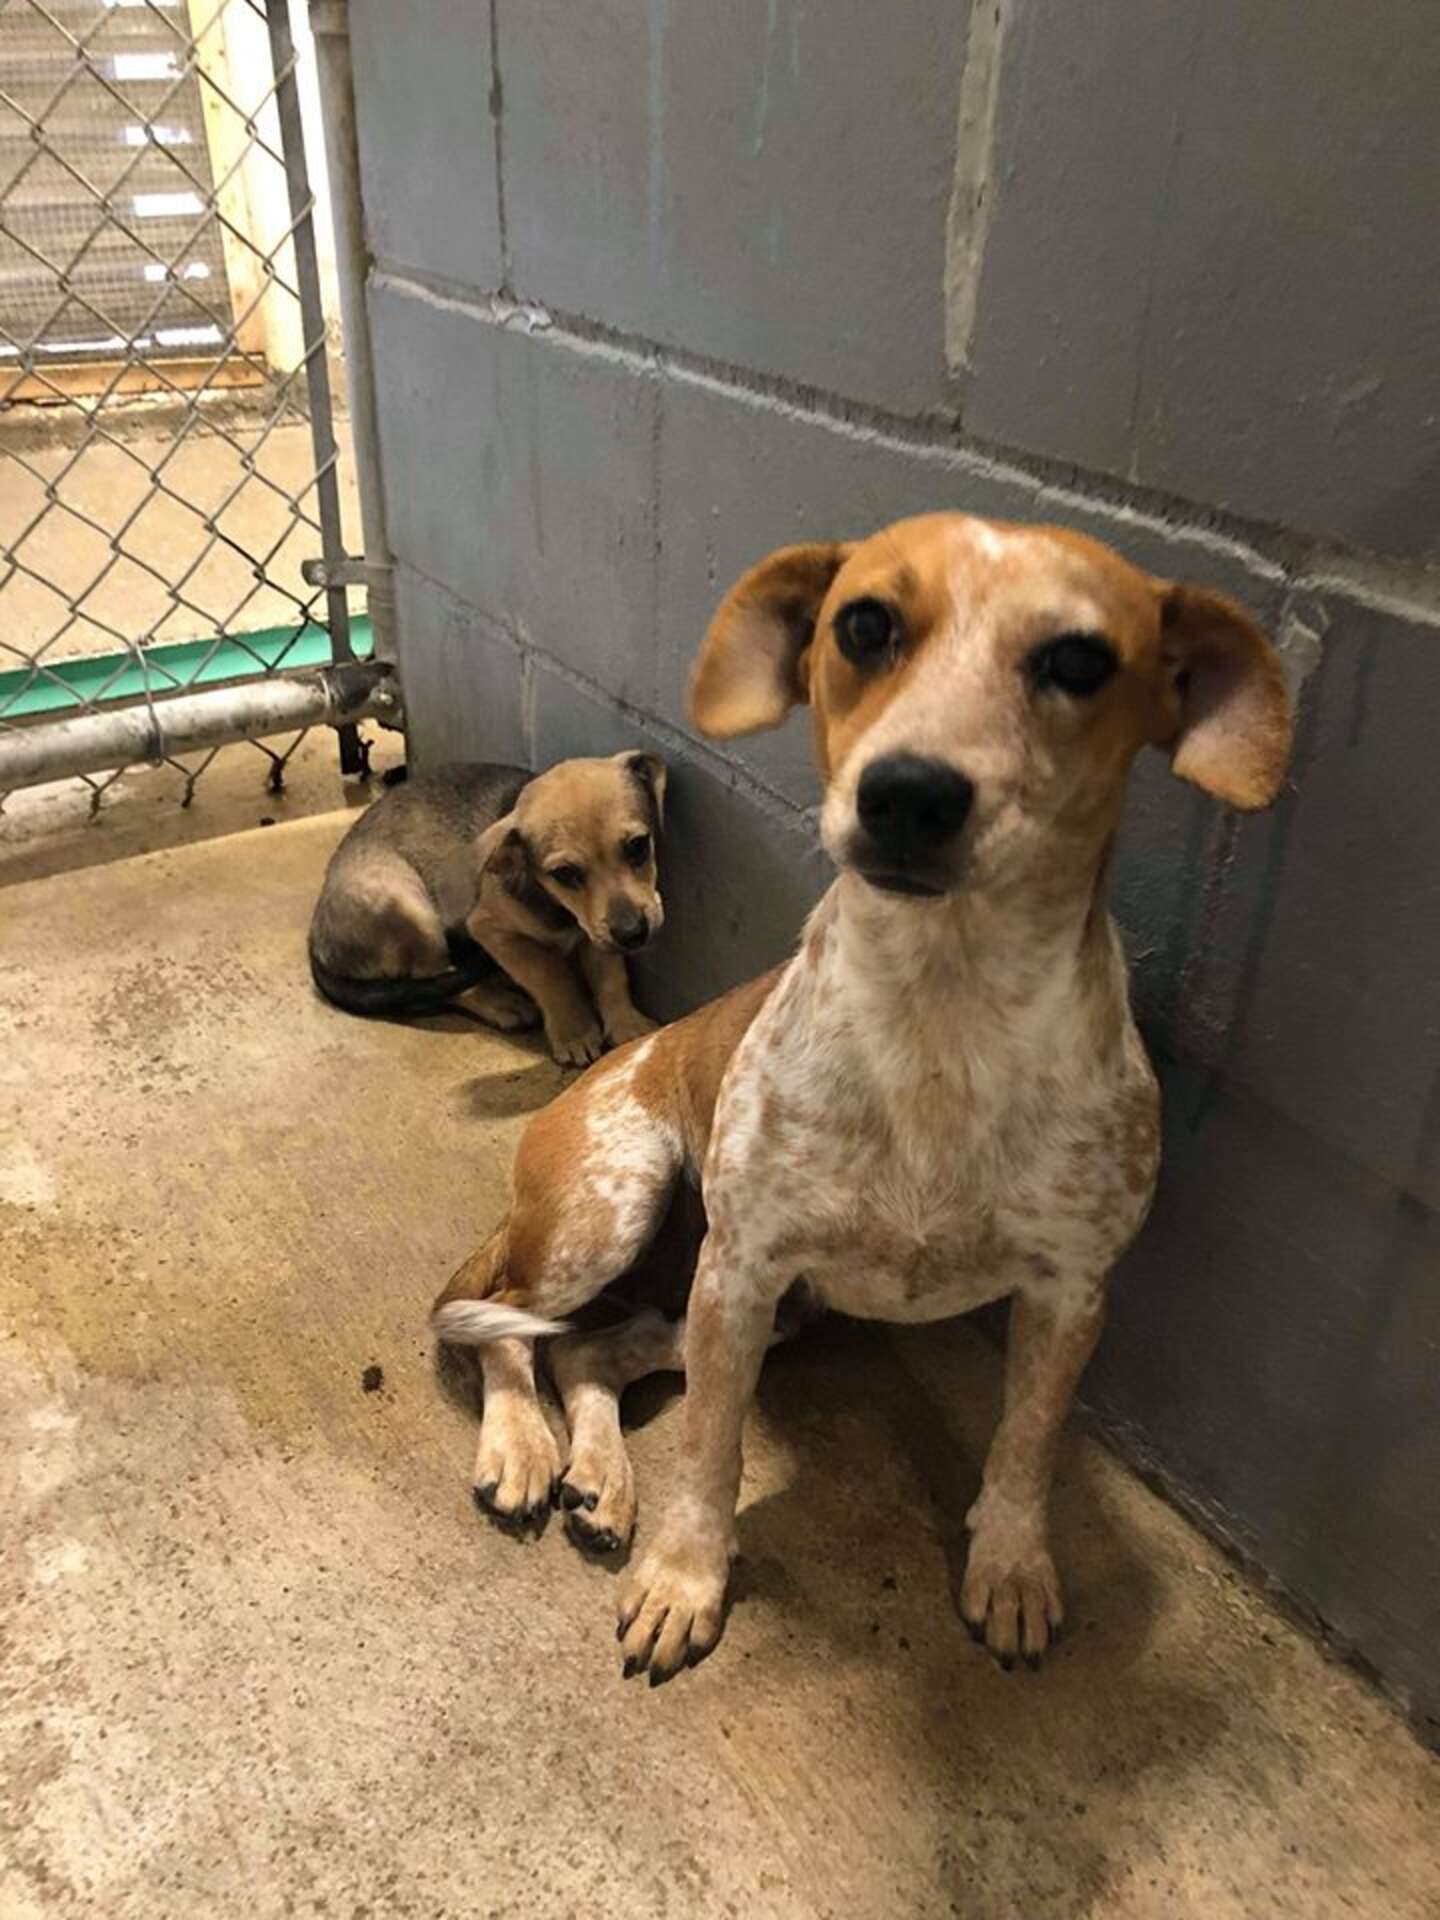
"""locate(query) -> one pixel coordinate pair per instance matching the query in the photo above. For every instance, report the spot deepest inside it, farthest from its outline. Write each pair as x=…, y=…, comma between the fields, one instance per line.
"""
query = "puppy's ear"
x=649, y=773
x=1227, y=720
x=753, y=664
x=499, y=850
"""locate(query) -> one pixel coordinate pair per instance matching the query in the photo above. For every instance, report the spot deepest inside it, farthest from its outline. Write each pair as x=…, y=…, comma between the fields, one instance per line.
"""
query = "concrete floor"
x=265, y=1658
x=52, y=829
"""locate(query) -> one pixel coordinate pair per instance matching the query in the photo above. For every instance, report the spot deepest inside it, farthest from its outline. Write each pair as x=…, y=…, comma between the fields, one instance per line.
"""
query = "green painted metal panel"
x=32, y=693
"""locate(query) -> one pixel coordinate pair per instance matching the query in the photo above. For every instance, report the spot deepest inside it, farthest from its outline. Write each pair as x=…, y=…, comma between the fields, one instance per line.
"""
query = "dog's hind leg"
x=591, y=1372
x=593, y=1181
x=517, y=1461
x=500, y=1004
x=407, y=940
x=593, y=1178
x=384, y=925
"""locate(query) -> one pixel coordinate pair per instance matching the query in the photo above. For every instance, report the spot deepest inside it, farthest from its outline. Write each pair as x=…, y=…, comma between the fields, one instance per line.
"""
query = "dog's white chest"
x=907, y=1190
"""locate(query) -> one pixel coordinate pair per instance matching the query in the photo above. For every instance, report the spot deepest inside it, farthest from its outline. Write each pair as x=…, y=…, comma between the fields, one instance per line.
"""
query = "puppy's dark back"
x=433, y=813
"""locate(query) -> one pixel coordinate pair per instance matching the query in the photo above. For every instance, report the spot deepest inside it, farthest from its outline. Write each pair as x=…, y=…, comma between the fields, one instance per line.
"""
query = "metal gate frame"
x=120, y=727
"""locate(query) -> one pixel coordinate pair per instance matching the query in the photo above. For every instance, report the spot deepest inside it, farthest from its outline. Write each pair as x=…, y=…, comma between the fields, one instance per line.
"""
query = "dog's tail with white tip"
x=472, y=1323
x=474, y=1309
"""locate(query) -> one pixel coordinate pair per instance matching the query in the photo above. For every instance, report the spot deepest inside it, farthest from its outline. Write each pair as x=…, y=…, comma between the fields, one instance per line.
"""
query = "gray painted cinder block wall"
x=656, y=288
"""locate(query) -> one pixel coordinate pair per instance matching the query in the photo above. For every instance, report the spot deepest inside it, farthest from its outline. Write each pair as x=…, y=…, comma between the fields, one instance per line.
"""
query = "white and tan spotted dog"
x=942, y=1099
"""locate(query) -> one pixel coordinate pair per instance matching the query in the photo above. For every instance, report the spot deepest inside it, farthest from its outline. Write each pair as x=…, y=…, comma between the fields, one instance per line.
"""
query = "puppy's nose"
x=911, y=806
x=629, y=930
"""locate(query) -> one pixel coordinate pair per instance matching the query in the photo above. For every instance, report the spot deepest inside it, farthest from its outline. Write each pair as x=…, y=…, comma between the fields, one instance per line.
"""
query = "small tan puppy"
x=522, y=893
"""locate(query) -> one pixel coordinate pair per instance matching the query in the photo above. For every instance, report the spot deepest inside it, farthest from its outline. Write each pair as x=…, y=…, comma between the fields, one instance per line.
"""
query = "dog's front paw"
x=518, y=1464
x=576, y=1046
x=672, y=1608
x=1010, y=1598
x=629, y=1025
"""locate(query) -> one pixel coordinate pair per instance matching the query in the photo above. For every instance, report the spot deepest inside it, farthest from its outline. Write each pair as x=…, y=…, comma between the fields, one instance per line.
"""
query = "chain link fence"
x=172, y=522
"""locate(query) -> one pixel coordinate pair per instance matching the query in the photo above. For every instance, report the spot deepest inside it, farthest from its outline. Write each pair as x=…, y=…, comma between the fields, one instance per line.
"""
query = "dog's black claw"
x=620, y=1627
x=592, y=1500
x=630, y=1668
x=660, y=1675
x=590, y=1539
x=1032, y=1661
x=976, y=1633
x=484, y=1495
x=1007, y=1662
x=570, y=1497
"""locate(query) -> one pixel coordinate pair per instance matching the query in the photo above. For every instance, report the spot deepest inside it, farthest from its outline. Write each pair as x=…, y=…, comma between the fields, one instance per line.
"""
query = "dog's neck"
x=1015, y=956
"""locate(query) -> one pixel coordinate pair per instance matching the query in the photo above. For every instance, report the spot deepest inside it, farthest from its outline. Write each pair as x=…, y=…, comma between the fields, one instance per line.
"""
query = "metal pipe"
x=317, y=360
x=330, y=26
x=162, y=729
x=312, y=319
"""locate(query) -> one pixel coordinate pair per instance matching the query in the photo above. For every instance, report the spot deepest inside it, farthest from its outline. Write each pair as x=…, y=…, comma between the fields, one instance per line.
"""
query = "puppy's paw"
x=517, y=1466
x=629, y=1025
x=576, y=1047
x=1010, y=1598
x=504, y=1007
x=672, y=1608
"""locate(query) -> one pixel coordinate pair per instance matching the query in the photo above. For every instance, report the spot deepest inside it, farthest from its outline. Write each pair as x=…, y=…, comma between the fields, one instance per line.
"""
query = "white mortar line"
x=972, y=194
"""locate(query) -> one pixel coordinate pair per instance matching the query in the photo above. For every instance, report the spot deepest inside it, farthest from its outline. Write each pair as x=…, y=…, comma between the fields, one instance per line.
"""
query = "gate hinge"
x=348, y=572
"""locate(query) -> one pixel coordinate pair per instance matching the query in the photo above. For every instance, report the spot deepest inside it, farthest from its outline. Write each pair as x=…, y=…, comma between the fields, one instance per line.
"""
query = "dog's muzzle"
x=910, y=811
x=628, y=931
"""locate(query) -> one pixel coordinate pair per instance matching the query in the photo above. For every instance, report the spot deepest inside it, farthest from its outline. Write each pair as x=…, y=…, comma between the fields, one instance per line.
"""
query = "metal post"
x=160, y=729
x=317, y=369
x=330, y=26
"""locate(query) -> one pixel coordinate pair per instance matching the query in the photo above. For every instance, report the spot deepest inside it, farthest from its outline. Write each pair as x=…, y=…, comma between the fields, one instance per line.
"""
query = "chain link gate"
x=171, y=544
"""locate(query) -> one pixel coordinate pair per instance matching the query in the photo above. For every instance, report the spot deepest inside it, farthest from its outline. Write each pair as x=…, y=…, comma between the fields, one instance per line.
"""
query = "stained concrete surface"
x=265, y=1659
x=55, y=828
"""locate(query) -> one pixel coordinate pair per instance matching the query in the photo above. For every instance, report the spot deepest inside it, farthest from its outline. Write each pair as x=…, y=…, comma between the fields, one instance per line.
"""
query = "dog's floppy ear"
x=752, y=667
x=499, y=850
x=649, y=772
x=1228, y=712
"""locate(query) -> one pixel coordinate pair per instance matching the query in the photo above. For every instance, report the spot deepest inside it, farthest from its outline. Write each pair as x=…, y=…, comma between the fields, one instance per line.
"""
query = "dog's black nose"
x=629, y=930
x=911, y=806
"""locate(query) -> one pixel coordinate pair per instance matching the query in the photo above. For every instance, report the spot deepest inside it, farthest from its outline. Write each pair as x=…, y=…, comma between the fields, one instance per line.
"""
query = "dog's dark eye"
x=866, y=631
x=567, y=875
x=637, y=849
x=1076, y=663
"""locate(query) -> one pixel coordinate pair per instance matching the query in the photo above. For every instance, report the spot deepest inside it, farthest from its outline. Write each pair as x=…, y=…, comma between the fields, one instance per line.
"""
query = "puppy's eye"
x=567, y=875
x=1076, y=663
x=637, y=849
x=866, y=631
